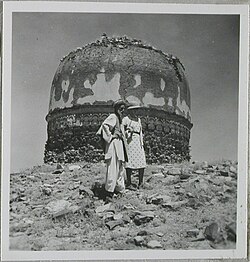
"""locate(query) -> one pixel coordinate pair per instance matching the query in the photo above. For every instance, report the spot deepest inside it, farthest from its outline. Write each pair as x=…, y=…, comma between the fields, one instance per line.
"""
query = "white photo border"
x=110, y=7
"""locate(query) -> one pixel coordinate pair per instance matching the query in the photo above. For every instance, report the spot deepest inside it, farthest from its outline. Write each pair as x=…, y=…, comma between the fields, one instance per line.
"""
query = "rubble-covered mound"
x=182, y=206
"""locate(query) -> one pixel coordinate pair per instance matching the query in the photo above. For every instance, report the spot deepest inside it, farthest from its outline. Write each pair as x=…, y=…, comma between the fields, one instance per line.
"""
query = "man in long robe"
x=115, y=149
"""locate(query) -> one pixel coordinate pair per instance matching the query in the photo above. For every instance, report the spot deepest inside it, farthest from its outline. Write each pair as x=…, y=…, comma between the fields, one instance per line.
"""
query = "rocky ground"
x=182, y=206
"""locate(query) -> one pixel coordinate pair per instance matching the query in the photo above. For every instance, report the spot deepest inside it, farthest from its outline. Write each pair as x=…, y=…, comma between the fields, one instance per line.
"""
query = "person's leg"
x=120, y=185
x=141, y=173
x=112, y=174
x=128, y=173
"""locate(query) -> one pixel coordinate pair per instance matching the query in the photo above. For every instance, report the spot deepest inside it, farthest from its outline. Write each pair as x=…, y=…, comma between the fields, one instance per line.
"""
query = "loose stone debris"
x=182, y=206
x=154, y=244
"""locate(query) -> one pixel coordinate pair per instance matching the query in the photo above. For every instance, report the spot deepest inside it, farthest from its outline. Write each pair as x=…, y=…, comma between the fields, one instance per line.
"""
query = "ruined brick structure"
x=90, y=78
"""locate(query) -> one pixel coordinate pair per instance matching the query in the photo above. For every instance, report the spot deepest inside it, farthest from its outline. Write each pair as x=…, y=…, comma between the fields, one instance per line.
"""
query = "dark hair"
x=118, y=103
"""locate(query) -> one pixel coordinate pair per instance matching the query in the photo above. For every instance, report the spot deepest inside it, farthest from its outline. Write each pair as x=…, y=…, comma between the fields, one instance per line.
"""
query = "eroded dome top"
x=119, y=67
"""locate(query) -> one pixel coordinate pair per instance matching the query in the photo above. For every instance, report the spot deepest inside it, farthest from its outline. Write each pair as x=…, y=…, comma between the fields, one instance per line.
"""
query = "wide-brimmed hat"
x=133, y=106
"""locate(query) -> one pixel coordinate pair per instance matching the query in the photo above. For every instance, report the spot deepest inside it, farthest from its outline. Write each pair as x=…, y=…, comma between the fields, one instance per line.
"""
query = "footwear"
x=108, y=199
x=140, y=186
x=119, y=195
x=131, y=188
x=109, y=196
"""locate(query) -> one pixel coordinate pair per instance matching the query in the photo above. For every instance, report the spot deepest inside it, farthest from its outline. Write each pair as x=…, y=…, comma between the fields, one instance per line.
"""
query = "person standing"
x=113, y=135
x=136, y=154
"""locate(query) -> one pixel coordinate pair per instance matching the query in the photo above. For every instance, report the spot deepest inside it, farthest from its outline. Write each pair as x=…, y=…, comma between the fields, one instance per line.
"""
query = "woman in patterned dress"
x=135, y=150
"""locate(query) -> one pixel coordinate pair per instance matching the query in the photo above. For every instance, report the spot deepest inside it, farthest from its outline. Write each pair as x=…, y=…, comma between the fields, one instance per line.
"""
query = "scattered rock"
x=139, y=240
x=233, y=169
x=212, y=232
x=157, y=199
x=199, y=237
x=228, y=189
x=227, y=163
x=142, y=233
x=59, y=166
x=92, y=218
x=48, y=185
x=112, y=224
x=128, y=206
x=19, y=227
x=143, y=217
x=74, y=208
x=160, y=234
x=147, y=186
x=58, y=171
x=85, y=190
x=185, y=175
x=157, y=222
x=105, y=208
x=202, y=185
x=18, y=234
x=28, y=221
x=231, y=231
x=224, y=173
x=210, y=170
x=170, y=180
x=193, y=203
x=74, y=167
x=14, y=197
x=22, y=190
x=13, y=208
x=31, y=178
x=174, y=171
x=200, y=172
x=193, y=232
x=118, y=216
x=126, y=218
x=160, y=175
x=107, y=216
x=58, y=208
x=53, y=243
x=220, y=167
x=46, y=191
x=37, y=206
x=229, y=181
x=205, y=164
x=19, y=243
x=154, y=244
x=38, y=244
x=175, y=205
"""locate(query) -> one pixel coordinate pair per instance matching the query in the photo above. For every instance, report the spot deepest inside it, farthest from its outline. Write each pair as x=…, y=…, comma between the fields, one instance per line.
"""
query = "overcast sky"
x=207, y=45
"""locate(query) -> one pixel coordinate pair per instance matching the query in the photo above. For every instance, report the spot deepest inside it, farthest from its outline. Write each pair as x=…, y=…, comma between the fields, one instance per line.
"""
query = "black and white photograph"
x=124, y=131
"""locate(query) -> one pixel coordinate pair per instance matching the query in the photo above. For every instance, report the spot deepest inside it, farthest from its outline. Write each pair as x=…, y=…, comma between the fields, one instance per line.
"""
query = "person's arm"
x=107, y=127
x=128, y=130
x=141, y=134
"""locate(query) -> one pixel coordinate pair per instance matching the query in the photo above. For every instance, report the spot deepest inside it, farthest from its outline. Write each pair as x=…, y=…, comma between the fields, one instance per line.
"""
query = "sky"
x=207, y=45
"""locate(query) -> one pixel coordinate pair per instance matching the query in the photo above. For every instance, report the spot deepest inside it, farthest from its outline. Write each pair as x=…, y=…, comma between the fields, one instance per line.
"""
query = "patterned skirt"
x=136, y=154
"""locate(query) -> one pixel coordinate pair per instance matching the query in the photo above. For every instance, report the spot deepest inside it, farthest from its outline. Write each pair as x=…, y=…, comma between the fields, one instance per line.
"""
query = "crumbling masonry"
x=90, y=78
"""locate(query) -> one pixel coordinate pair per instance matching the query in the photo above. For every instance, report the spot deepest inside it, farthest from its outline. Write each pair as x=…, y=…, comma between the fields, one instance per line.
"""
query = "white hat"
x=133, y=107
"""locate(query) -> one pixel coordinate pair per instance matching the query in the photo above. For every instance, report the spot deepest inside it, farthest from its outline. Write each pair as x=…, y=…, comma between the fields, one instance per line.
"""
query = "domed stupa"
x=90, y=78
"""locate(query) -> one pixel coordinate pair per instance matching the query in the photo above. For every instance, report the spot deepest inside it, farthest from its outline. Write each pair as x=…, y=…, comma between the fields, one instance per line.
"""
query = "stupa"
x=90, y=78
